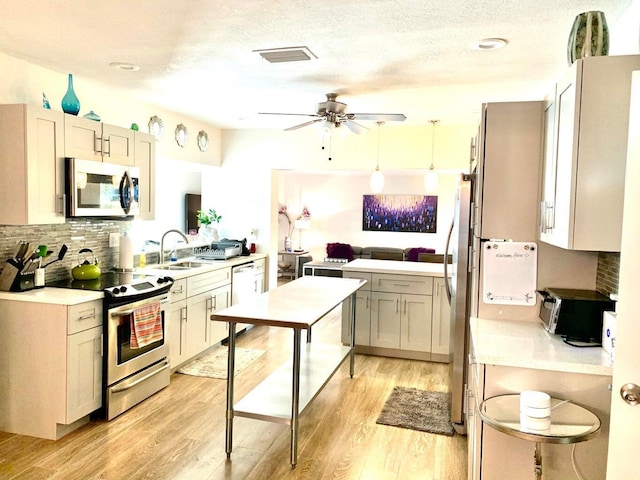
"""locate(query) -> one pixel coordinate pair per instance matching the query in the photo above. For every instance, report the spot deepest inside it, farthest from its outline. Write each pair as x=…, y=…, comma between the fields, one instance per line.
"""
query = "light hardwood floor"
x=179, y=433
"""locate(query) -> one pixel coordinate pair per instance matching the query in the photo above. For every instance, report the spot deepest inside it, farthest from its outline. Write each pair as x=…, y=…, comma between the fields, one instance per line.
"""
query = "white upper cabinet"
x=91, y=140
x=585, y=150
x=145, y=160
x=32, y=156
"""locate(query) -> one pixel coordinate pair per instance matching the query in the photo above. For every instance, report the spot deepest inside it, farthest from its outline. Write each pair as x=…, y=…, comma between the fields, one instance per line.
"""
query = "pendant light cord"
x=378, y=158
x=433, y=139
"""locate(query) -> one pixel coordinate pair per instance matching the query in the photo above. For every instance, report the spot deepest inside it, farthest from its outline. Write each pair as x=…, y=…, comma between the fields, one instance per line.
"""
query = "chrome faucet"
x=162, y=242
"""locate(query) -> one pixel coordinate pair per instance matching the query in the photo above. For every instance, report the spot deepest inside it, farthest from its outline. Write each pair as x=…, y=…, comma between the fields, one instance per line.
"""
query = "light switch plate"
x=114, y=239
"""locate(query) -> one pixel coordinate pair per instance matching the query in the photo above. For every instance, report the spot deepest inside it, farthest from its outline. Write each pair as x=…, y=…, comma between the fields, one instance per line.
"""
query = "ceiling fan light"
x=376, y=182
x=431, y=182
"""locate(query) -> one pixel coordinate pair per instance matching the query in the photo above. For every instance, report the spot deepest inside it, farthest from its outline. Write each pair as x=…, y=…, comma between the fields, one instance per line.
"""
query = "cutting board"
x=509, y=273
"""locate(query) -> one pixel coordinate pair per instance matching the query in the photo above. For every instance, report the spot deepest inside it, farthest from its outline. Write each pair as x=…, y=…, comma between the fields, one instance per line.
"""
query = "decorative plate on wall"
x=156, y=127
x=182, y=135
x=203, y=141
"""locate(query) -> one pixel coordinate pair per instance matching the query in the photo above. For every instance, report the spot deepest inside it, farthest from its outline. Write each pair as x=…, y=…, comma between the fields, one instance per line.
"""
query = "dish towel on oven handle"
x=146, y=325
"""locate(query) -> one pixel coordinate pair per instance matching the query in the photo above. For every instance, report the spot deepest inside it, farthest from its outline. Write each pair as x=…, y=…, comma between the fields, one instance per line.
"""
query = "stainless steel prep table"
x=297, y=305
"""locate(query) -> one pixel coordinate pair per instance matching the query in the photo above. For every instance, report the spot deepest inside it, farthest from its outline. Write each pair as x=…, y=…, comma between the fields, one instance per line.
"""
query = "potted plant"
x=206, y=220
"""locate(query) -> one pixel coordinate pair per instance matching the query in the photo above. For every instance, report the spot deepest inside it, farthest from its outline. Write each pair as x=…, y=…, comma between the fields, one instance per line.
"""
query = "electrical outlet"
x=114, y=239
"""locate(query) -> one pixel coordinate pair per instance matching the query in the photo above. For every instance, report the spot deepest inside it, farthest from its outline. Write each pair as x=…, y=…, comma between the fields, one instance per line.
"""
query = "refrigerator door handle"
x=446, y=263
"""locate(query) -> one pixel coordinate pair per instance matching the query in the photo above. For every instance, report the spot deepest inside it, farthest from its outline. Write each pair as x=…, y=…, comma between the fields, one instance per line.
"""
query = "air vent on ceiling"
x=289, y=54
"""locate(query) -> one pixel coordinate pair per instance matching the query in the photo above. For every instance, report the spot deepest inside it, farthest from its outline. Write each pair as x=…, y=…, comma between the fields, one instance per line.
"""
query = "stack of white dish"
x=535, y=411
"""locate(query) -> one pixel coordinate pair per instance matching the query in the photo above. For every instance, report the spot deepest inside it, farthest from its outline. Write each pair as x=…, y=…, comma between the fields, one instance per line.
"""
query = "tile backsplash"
x=76, y=234
x=607, y=277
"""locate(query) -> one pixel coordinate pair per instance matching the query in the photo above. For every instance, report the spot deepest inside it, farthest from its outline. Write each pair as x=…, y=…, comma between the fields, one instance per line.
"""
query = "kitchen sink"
x=180, y=266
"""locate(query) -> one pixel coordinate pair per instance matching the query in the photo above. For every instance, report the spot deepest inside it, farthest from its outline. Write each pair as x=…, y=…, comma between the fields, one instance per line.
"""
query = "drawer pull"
x=87, y=316
x=401, y=285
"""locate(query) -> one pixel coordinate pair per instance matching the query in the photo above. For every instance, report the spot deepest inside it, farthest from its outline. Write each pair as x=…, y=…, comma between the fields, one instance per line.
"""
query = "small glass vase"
x=589, y=36
x=208, y=234
x=70, y=102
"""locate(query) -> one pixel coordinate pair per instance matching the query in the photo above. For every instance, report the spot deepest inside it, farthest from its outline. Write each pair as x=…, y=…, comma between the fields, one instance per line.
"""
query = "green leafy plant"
x=209, y=217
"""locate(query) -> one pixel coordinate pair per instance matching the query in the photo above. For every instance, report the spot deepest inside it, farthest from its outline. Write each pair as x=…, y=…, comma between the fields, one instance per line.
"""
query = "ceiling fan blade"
x=310, y=122
x=296, y=114
x=384, y=117
x=355, y=127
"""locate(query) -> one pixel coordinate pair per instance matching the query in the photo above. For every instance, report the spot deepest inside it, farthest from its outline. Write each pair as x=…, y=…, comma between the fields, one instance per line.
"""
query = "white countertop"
x=56, y=296
x=527, y=344
x=395, y=267
x=207, y=266
x=67, y=296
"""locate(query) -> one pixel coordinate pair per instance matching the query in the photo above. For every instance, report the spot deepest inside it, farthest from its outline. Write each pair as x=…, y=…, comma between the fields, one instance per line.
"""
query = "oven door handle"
x=126, y=313
x=124, y=388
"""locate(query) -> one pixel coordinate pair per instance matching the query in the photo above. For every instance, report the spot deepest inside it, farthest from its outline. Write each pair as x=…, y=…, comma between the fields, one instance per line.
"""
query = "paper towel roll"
x=126, y=252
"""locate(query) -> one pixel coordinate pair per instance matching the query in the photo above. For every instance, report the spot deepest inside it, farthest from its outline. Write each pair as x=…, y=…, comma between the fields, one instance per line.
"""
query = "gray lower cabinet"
x=50, y=366
x=193, y=300
x=396, y=315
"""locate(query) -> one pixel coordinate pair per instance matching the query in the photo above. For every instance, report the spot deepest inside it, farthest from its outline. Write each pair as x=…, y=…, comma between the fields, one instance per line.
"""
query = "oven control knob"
x=160, y=280
x=123, y=289
x=116, y=291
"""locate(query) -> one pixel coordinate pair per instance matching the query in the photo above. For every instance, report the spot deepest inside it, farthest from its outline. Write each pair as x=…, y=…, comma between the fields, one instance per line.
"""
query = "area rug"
x=418, y=410
x=214, y=364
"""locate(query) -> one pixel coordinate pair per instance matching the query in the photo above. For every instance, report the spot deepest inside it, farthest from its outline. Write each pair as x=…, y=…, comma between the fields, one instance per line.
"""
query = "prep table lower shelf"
x=271, y=399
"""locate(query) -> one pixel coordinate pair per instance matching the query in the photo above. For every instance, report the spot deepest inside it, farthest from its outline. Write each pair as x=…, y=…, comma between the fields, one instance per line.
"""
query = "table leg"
x=295, y=397
x=231, y=360
x=352, y=340
x=538, y=464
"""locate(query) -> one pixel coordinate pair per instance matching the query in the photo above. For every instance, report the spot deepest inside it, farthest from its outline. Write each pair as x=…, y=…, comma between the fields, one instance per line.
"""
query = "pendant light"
x=377, y=178
x=431, y=177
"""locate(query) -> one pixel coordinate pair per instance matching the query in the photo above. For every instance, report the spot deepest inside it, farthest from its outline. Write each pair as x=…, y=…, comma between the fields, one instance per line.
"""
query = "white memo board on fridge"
x=509, y=273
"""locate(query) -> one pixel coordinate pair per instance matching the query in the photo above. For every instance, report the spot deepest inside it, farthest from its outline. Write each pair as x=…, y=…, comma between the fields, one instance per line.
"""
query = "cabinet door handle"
x=183, y=313
x=99, y=346
x=405, y=306
x=397, y=305
x=470, y=403
x=97, y=144
x=543, y=218
x=107, y=152
x=552, y=216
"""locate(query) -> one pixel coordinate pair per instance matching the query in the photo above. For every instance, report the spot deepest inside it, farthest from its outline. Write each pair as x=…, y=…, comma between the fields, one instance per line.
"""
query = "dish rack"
x=218, y=251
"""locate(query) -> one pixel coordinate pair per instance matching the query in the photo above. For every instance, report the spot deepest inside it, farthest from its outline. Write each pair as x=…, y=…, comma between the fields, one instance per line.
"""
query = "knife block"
x=24, y=282
x=13, y=280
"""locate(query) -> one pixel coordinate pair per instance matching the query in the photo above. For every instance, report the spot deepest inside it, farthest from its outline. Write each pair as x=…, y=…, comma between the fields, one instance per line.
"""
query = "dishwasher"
x=244, y=286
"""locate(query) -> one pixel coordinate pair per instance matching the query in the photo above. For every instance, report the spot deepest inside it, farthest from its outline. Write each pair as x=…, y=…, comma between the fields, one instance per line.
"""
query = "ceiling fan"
x=334, y=114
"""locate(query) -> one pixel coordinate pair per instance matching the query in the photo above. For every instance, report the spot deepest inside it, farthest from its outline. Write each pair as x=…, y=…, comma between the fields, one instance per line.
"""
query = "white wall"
x=335, y=204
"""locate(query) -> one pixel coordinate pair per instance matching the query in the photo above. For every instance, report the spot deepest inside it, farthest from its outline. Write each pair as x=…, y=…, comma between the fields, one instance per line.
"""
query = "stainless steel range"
x=136, y=361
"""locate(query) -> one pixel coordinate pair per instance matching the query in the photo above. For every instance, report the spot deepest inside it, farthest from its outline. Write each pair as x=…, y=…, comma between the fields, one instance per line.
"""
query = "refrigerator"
x=496, y=200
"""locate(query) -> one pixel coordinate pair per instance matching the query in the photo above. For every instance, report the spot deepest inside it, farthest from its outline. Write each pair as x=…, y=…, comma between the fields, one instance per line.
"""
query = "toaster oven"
x=574, y=314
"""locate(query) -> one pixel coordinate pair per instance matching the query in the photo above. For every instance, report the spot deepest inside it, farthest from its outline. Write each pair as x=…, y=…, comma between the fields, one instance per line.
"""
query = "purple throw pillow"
x=340, y=250
x=414, y=253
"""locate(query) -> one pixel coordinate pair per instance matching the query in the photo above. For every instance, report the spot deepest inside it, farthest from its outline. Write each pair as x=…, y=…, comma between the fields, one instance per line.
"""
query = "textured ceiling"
x=382, y=56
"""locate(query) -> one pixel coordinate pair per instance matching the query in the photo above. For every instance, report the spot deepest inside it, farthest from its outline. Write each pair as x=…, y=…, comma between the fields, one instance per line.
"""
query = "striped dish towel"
x=146, y=325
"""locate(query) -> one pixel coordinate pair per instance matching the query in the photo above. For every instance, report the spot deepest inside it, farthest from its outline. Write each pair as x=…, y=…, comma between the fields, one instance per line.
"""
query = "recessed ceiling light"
x=125, y=67
x=489, y=44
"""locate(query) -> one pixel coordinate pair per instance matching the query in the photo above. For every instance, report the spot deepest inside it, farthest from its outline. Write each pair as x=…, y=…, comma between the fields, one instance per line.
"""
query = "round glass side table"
x=570, y=423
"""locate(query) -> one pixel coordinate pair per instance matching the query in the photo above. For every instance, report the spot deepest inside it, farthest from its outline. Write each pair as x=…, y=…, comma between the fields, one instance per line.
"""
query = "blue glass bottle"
x=70, y=102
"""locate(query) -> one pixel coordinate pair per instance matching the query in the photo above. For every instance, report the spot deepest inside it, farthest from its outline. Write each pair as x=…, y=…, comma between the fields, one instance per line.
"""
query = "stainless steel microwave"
x=100, y=189
x=574, y=314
